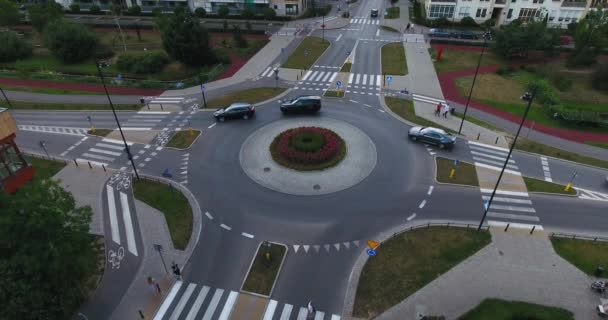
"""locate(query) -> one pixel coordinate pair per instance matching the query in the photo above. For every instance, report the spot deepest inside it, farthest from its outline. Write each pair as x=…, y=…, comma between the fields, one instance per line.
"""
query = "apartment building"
x=560, y=12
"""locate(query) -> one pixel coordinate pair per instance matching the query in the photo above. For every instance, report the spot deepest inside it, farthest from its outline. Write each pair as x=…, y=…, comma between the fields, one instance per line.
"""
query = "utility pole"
x=466, y=108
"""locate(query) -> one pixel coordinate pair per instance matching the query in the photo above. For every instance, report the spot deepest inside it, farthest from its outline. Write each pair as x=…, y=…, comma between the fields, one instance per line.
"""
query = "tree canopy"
x=46, y=252
x=223, y=11
x=517, y=39
x=9, y=13
x=590, y=38
x=42, y=14
x=69, y=41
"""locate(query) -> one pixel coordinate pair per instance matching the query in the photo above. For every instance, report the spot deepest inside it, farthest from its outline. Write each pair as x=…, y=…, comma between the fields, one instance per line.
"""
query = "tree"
x=223, y=12
x=200, y=12
x=46, y=252
x=247, y=13
x=9, y=13
x=42, y=14
x=134, y=10
x=600, y=78
x=185, y=39
x=74, y=8
x=69, y=41
x=13, y=47
x=94, y=9
x=269, y=13
x=590, y=38
x=240, y=41
x=517, y=39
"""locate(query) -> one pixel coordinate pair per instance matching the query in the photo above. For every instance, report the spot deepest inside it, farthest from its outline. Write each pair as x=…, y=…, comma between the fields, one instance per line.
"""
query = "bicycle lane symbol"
x=114, y=258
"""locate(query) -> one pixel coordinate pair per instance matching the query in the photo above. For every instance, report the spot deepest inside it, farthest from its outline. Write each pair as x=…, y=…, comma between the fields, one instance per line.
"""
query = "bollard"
x=90, y=166
x=478, y=135
x=507, y=227
x=532, y=231
x=161, y=107
x=568, y=186
x=496, y=141
x=141, y=314
x=104, y=167
x=76, y=162
x=147, y=104
x=452, y=173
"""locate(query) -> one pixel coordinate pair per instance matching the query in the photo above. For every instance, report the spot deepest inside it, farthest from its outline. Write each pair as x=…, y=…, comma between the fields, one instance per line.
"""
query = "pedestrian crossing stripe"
x=58, y=130
x=364, y=21
x=501, y=224
x=591, y=195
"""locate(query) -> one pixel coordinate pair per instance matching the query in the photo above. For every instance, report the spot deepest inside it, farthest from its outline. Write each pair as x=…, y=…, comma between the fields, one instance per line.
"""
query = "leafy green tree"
x=200, y=12
x=185, y=39
x=9, y=13
x=13, y=47
x=69, y=41
x=517, y=39
x=240, y=41
x=590, y=38
x=46, y=252
x=223, y=12
x=134, y=10
x=94, y=9
x=269, y=13
x=600, y=78
x=75, y=8
x=42, y=14
x=247, y=13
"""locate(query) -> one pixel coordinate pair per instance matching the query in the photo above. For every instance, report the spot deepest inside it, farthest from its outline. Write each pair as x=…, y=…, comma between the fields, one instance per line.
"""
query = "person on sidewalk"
x=438, y=110
x=407, y=28
x=446, y=110
x=176, y=271
x=154, y=286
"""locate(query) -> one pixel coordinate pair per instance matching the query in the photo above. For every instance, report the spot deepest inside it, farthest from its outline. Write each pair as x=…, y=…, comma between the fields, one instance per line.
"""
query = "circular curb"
x=256, y=160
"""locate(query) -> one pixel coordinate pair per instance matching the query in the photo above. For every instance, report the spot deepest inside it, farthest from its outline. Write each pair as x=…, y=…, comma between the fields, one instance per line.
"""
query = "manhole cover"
x=266, y=169
x=316, y=187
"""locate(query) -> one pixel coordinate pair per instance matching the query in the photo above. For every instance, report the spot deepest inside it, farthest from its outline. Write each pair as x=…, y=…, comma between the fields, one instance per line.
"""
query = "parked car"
x=236, y=110
x=464, y=35
x=432, y=136
x=302, y=104
x=374, y=13
x=439, y=33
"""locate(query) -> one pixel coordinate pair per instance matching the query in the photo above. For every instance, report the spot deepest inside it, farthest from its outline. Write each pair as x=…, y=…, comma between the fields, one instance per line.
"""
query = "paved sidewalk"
x=404, y=16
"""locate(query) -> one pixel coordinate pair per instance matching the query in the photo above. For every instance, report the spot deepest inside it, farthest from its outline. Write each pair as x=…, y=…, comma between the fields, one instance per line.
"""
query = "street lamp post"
x=466, y=108
x=6, y=98
x=200, y=81
x=504, y=166
x=129, y=156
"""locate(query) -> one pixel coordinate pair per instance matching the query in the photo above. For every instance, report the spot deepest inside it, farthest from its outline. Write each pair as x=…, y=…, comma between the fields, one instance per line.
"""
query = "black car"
x=374, y=13
x=464, y=35
x=236, y=110
x=438, y=33
x=432, y=136
x=302, y=104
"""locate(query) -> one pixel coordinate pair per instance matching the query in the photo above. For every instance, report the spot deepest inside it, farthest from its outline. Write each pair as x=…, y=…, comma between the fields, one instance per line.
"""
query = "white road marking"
x=335, y=317
x=182, y=302
x=111, y=146
x=512, y=216
x=333, y=77
x=165, y=306
x=483, y=165
x=430, y=190
x=346, y=244
x=109, y=140
x=306, y=75
x=248, y=235
x=208, y=215
x=353, y=101
x=211, y=126
x=484, y=154
x=502, y=224
x=422, y=204
x=367, y=105
x=378, y=81
x=337, y=246
x=339, y=37
x=112, y=212
x=296, y=247
x=357, y=78
x=94, y=156
x=488, y=146
x=364, y=80
x=321, y=74
x=213, y=304
x=319, y=315
x=111, y=153
x=265, y=72
x=510, y=200
x=228, y=305
x=512, y=208
x=197, y=303
x=350, y=78
x=378, y=33
x=326, y=246
x=306, y=247
x=272, y=306
x=505, y=192
x=126, y=215
x=411, y=217
x=496, y=163
x=302, y=314
x=326, y=76
x=286, y=312
x=317, y=248
x=225, y=227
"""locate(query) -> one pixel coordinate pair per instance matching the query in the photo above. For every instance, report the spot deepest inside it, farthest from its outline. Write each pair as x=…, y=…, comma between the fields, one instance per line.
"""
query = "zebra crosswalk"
x=145, y=120
x=56, y=130
x=492, y=157
x=357, y=83
x=104, y=152
x=194, y=301
x=591, y=195
x=365, y=21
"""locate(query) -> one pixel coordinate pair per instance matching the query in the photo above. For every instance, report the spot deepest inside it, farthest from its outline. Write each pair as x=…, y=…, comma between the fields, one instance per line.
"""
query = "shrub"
x=600, y=77
x=269, y=13
x=561, y=83
x=441, y=22
x=13, y=47
x=488, y=23
x=200, y=12
x=308, y=145
x=502, y=70
x=240, y=41
x=345, y=14
x=146, y=63
x=69, y=41
x=157, y=12
x=103, y=51
x=134, y=10
x=221, y=55
x=468, y=22
x=544, y=93
x=74, y=8
x=94, y=9
x=223, y=11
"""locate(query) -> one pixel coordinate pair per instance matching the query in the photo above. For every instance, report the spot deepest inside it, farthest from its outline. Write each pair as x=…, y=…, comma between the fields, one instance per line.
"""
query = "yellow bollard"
x=93, y=129
x=568, y=186
x=452, y=173
x=191, y=132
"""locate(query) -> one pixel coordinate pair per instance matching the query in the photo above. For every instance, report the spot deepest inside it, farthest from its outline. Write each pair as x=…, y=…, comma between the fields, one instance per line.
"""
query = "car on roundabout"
x=242, y=110
x=430, y=135
x=302, y=104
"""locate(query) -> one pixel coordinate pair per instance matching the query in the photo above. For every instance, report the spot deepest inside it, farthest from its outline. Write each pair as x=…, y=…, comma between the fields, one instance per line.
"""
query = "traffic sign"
x=339, y=83
x=202, y=87
x=455, y=162
x=371, y=252
x=305, y=52
x=276, y=71
x=373, y=244
x=389, y=78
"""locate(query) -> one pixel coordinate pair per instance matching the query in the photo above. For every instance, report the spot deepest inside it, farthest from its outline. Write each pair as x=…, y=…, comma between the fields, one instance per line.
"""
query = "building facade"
x=560, y=12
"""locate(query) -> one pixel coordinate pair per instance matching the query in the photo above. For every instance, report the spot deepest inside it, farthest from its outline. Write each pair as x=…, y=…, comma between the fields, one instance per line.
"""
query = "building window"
x=510, y=14
x=484, y=12
x=276, y=7
x=291, y=9
x=478, y=14
x=441, y=11
x=464, y=12
x=526, y=14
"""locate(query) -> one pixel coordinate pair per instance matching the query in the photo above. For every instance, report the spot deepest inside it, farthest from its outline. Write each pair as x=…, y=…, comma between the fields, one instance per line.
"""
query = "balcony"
x=574, y=4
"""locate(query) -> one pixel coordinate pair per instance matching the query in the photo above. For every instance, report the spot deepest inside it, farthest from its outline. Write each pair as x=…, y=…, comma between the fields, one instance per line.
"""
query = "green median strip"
x=172, y=203
x=392, y=13
x=346, y=67
x=536, y=185
x=464, y=173
x=183, y=139
x=23, y=105
x=586, y=255
x=389, y=29
x=393, y=59
x=495, y=309
x=305, y=55
x=409, y=261
x=265, y=268
x=44, y=168
x=333, y=94
x=478, y=122
x=535, y=147
x=405, y=109
x=252, y=96
x=100, y=132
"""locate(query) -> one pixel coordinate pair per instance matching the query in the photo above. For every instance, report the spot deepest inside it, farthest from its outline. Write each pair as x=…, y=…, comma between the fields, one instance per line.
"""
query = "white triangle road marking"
x=306, y=247
x=337, y=246
x=296, y=247
x=317, y=247
x=347, y=245
x=326, y=246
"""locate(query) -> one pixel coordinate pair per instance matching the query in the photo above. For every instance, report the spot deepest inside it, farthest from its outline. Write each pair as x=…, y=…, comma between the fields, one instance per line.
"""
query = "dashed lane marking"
x=410, y=218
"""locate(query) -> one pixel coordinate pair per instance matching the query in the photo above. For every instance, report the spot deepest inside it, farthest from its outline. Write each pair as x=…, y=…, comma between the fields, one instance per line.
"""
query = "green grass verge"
x=478, y=122
x=393, y=59
x=314, y=46
x=44, y=168
x=254, y=95
x=586, y=255
x=333, y=94
x=183, y=139
x=49, y=90
x=535, y=185
x=346, y=67
x=409, y=261
x=100, y=132
x=263, y=273
x=454, y=60
x=22, y=105
x=464, y=173
x=495, y=309
x=172, y=203
x=392, y=13
x=597, y=144
x=389, y=29
x=405, y=109
x=531, y=146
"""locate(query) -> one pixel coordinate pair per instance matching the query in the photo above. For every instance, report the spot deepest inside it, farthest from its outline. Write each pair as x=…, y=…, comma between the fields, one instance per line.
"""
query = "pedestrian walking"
x=154, y=286
x=407, y=27
x=446, y=109
x=438, y=110
x=176, y=271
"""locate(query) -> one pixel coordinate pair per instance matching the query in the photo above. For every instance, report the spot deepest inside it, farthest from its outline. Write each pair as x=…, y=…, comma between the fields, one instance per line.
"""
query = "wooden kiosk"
x=14, y=170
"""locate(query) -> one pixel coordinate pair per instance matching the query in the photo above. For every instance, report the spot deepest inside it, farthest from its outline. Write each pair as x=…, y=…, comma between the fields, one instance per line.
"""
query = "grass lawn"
x=531, y=146
x=334, y=94
x=393, y=59
x=392, y=13
x=586, y=255
x=409, y=261
x=454, y=60
x=495, y=309
x=254, y=95
x=465, y=173
x=263, y=273
x=405, y=109
x=346, y=67
x=314, y=46
x=597, y=144
x=535, y=185
x=478, y=122
x=100, y=132
x=22, y=105
x=172, y=203
x=44, y=169
x=48, y=90
x=183, y=139
x=389, y=29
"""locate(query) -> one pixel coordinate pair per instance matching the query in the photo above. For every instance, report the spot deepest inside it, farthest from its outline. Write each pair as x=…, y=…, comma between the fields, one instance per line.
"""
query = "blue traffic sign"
x=485, y=205
x=455, y=162
x=339, y=83
x=389, y=78
x=119, y=76
x=371, y=252
x=202, y=87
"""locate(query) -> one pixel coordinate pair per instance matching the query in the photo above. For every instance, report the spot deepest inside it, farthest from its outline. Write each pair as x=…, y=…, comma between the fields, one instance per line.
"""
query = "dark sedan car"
x=302, y=104
x=438, y=33
x=236, y=110
x=464, y=35
x=432, y=135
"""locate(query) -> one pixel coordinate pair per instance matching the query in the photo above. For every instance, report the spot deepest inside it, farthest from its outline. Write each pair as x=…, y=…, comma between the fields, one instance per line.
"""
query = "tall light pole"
x=466, y=108
x=504, y=166
x=129, y=156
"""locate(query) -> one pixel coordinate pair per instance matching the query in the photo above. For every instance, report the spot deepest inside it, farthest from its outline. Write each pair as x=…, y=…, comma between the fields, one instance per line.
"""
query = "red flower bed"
x=330, y=148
